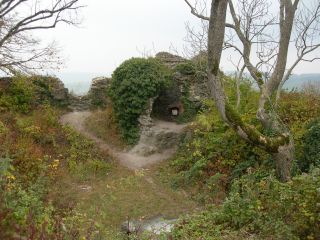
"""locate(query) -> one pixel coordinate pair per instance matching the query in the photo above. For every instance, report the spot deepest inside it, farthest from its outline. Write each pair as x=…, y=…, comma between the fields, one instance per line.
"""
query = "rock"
x=169, y=59
x=145, y=119
x=156, y=226
x=46, y=88
x=59, y=92
x=166, y=100
x=96, y=97
x=131, y=227
x=144, y=150
x=79, y=103
x=98, y=92
x=85, y=188
x=51, y=89
x=158, y=138
x=191, y=86
x=159, y=226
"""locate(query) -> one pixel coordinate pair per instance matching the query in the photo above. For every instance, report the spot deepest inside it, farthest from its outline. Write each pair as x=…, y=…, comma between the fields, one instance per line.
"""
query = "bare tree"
x=307, y=40
x=257, y=29
x=238, y=77
x=19, y=50
x=196, y=39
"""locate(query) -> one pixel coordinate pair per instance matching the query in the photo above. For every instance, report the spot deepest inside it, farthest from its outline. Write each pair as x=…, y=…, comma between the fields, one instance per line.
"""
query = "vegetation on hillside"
x=260, y=207
x=37, y=154
x=104, y=125
x=56, y=184
x=237, y=181
x=250, y=156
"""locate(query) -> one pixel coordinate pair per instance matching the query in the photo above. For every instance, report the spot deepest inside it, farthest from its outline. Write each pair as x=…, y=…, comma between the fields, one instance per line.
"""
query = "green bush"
x=19, y=96
x=134, y=82
x=83, y=160
x=190, y=108
x=311, y=147
x=186, y=68
x=262, y=208
x=44, y=89
x=35, y=152
x=23, y=93
x=19, y=203
x=211, y=150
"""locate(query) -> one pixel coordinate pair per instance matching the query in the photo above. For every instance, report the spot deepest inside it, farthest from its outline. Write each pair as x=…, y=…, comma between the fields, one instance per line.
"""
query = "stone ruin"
x=98, y=92
x=95, y=98
x=169, y=103
x=156, y=137
x=47, y=88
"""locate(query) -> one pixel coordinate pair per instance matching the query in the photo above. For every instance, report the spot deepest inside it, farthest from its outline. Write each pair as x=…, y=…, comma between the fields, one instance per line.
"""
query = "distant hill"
x=77, y=82
x=297, y=81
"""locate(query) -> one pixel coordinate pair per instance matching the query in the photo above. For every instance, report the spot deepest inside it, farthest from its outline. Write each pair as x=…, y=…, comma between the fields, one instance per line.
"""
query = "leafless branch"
x=200, y=15
x=19, y=51
x=307, y=41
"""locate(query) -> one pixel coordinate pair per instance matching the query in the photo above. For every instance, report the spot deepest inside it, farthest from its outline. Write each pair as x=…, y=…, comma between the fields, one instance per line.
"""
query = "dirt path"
x=143, y=196
x=130, y=160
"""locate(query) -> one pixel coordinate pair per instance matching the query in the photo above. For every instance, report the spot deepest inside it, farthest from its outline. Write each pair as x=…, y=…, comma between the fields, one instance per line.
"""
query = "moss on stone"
x=186, y=68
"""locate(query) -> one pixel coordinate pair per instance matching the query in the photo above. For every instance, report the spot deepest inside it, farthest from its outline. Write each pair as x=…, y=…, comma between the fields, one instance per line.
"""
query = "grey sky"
x=115, y=30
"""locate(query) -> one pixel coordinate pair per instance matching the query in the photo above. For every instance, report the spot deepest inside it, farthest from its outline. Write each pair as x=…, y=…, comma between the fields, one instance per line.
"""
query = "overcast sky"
x=115, y=30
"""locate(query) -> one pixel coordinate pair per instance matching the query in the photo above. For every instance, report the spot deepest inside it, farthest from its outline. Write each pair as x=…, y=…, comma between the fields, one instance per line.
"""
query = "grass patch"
x=107, y=200
x=136, y=195
x=102, y=123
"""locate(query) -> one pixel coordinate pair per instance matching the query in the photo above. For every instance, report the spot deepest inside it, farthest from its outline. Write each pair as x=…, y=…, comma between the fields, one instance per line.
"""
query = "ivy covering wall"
x=134, y=82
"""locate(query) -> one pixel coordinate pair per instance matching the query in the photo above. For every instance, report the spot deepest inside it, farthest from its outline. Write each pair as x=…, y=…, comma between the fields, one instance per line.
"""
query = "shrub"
x=190, y=108
x=213, y=154
x=311, y=147
x=186, y=68
x=48, y=89
x=19, y=96
x=134, y=82
x=298, y=108
x=104, y=125
x=34, y=154
x=83, y=160
x=262, y=208
x=23, y=93
x=3, y=128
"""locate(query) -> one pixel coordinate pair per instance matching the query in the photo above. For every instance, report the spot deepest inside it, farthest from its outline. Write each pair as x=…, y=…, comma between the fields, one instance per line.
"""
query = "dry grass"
x=102, y=123
x=121, y=195
x=138, y=195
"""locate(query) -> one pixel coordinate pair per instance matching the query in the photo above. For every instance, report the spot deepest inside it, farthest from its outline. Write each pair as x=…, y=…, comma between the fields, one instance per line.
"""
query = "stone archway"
x=168, y=105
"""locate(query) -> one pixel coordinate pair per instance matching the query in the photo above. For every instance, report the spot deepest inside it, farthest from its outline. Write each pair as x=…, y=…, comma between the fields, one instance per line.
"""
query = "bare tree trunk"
x=283, y=160
x=238, y=83
x=278, y=96
x=215, y=45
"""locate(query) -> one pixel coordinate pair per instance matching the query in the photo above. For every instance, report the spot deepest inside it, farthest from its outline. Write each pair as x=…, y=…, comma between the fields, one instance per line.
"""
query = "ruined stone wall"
x=193, y=85
x=46, y=88
x=98, y=92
